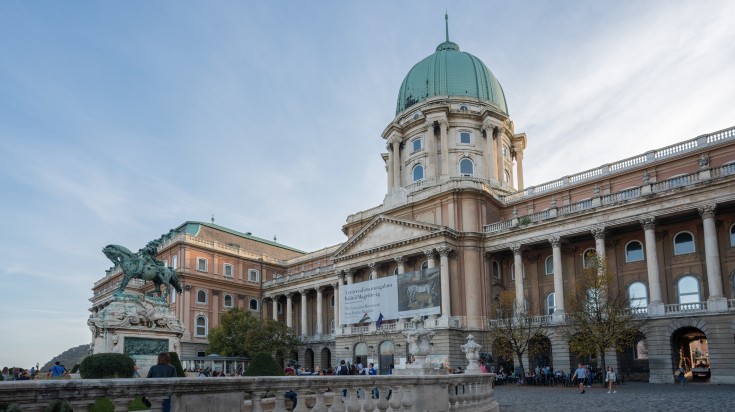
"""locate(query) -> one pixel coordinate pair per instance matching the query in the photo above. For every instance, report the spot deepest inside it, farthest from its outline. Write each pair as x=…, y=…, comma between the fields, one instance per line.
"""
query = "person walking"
x=682, y=377
x=610, y=378
x=581, y=375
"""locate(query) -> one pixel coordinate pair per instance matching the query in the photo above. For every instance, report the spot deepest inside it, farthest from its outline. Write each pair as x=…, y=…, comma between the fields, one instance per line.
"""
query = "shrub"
x=107, y=366
x=176, y=362
x=58, y=406
x=263, y=364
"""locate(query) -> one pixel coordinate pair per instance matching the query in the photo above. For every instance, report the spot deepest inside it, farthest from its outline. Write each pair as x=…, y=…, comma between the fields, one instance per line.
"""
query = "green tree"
x=514, y=327
x=263, y=364
x=240, y=333
x=599, y=317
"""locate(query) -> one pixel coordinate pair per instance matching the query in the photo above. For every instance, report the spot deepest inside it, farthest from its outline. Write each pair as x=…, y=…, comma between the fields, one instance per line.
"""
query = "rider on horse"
x=148, y=256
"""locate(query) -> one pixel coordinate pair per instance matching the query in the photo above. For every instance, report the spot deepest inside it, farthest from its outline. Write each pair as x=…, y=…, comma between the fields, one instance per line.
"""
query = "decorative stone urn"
x=472, y=352
x=419, y=343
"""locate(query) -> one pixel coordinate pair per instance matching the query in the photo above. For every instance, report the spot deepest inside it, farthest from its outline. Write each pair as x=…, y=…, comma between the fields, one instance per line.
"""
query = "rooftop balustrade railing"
x=467, y=392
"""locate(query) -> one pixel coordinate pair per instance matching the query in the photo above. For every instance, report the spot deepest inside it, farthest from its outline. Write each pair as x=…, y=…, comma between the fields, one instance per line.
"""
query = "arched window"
x=513, y=271
x=331, y=326
x=732, y=235
x=550, y=303
x=505, y=151
x=253, y=304
x=174, y=262
x=588, y=258
x=463, y=108
x=506, y=177
x=633, y=251
x=202, y=296
x=228, y=301
x=173, y=297
x=424, y=265
x=331, y=299
x=496, y=269
x=361, y=351
x=688, y=289
x=279, y=308
x=549, y=265
x=201, y=326
x=466, y=167
x=418, y=173
x=395, y=271
x=683, y=243
x=638, y=295
x=641, y=349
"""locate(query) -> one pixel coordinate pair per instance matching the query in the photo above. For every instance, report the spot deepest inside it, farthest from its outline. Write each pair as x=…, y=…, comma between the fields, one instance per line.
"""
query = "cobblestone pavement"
x=632, y=396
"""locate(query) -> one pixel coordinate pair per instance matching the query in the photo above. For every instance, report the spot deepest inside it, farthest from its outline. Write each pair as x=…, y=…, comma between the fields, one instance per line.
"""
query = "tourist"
x=136, y=374
x=163, y=369
x=57, y=371
x=610, y=379
x=581, y=375
x=682, y=375
x=293, y=397
x=6, y=374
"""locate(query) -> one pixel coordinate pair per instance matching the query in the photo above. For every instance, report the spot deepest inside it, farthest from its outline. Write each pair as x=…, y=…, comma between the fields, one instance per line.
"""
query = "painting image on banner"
x=364, y=302
x=419, y=293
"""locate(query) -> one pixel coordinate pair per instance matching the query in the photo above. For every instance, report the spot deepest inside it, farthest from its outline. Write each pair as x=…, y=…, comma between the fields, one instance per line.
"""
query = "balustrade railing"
x=472, y=393
x=673, y=308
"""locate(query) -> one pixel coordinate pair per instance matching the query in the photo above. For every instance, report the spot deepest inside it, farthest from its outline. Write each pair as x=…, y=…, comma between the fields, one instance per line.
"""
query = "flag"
x=365, y=318
x=380, y=320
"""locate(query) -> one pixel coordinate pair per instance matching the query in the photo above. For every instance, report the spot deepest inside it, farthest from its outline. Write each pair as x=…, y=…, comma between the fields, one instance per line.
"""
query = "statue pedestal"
x=138, y=326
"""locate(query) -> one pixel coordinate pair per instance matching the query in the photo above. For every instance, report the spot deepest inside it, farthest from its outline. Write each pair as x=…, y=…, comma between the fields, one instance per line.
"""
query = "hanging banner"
x=419, y=293
x=401, y=296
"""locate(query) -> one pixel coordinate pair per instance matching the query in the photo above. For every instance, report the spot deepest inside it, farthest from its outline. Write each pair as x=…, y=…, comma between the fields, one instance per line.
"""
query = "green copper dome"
x=450, y=72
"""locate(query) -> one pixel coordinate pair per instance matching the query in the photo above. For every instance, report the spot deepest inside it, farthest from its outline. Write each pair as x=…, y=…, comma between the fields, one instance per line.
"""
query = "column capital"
x=555, y=242
x=335, y=285
x=443, y=122
x=598, y=233
x=648, y=223
x=320, y=289
x=372, y=266
x=303, y=292
x=707, y=210
x=430, y=253
x=399, y=259
x=444, y=250
x=289, y=294
x=516, y=248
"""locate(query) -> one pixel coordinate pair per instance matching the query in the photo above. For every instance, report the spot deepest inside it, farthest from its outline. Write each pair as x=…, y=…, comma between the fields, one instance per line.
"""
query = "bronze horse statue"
x=145, y=267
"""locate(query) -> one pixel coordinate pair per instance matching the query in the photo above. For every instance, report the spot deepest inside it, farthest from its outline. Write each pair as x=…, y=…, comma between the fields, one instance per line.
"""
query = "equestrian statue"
x=143, y=265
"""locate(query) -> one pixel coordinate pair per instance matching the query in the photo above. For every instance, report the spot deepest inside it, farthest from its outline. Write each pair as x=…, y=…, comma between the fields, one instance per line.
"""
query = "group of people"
x=20, y=374
x=583, y=375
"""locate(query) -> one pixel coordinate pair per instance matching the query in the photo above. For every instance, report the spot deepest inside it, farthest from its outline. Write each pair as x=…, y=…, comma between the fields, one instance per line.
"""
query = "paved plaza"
x=632, y=396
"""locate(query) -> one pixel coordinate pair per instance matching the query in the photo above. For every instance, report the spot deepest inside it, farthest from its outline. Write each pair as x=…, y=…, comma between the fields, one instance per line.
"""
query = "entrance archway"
x=634, y=361
x=539, y=352
x=386, y=353
x=309, y=358
x=326, y=358
x=503, y=355
x=690, y=349
x=361, y=351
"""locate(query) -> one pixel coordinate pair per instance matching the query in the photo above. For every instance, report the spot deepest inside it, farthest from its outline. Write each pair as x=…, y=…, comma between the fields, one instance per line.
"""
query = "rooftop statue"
x=143, y=265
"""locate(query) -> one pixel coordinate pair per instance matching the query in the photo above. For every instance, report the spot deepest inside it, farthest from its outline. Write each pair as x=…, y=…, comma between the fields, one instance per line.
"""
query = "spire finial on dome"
x=446, y=23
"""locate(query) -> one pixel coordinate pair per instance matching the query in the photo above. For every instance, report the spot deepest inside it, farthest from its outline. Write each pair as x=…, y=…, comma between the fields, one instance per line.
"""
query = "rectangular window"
x=174, y=261
x=201, y=264
x=228, y=270
x=165, y=263
x=253, y=275
x=465, y=138
x=417, y=144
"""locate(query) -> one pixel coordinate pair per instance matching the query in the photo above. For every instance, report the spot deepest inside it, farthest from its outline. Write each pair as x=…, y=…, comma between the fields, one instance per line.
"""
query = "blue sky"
x=122, y=120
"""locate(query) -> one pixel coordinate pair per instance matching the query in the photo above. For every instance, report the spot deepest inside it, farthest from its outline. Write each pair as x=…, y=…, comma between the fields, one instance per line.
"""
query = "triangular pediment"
x=384, y=231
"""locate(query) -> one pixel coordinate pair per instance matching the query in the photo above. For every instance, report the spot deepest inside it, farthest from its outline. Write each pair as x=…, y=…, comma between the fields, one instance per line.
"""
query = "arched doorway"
x=361, y=351
x=690, y=349
x=308, y=358
x=634, y=361
x=539, y=352
x=386, y=357
x=293, y=359
x=503, y=355
x=326, y=358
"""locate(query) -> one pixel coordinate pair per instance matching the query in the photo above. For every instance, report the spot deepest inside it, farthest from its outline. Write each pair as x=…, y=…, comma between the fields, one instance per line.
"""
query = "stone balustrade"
x=469, y=392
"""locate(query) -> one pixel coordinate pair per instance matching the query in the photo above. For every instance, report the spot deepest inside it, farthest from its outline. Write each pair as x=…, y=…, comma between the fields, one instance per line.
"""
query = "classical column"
x=443, y=124
x=396, y=161
x=319, y=313
x=215, y=309
x=337, y=305
x=431, y=164
x=488, y=150
x=275, y=307
x=518, y=272
x=350, y=276
x=373, y=270
x=430, y=258
x=289, y=309
x=500, y=160
x=401, y=266
x=711, y=252
x=599, y=234
x=304, y=326
x=186, y=309
x=558, y=279
x=519, y=169
x=654, y=282
x=444, y=252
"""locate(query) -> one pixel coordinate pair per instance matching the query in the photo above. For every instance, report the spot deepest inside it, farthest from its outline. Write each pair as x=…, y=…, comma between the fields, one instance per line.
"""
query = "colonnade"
x=656, y=305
